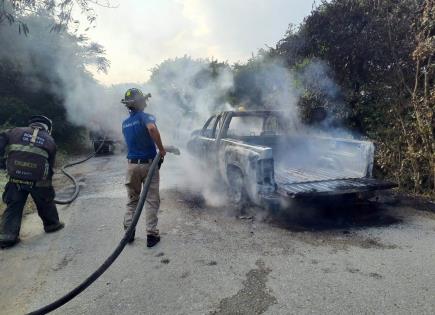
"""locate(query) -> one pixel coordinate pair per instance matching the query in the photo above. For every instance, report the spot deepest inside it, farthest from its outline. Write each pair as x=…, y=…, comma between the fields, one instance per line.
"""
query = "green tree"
x=62, y=12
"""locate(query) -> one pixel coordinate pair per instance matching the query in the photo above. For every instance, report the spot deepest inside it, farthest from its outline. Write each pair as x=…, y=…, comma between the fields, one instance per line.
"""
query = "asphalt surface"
x=356, y=260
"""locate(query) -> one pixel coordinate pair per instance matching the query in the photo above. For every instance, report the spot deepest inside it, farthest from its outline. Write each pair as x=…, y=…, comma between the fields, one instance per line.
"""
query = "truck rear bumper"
x=333, y=187
x=322, y=189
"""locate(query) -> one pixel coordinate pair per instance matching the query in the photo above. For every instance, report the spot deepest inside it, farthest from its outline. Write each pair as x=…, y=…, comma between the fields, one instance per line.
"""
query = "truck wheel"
x=237, y=190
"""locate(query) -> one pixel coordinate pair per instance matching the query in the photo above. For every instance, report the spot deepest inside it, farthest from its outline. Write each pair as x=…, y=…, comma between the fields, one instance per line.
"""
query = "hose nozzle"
x=172, y=149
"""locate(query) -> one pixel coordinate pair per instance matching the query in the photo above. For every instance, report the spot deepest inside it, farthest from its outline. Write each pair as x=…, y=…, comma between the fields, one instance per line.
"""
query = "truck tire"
x=237, y=193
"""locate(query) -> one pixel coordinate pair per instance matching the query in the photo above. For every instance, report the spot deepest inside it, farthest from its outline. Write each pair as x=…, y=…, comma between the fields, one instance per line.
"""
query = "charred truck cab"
x=263, y=160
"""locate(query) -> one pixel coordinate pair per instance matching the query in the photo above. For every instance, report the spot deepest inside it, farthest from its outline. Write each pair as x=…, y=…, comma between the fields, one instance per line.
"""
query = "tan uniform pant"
x=136, y=174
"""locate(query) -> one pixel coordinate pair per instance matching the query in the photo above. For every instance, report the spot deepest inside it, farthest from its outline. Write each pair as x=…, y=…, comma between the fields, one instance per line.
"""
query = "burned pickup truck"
x=263, y=161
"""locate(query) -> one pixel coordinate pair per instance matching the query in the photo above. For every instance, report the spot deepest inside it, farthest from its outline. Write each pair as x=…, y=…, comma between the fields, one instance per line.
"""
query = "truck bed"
x=319, y=166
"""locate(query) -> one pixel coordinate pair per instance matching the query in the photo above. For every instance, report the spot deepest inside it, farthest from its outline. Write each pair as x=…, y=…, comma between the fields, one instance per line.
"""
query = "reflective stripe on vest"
x=26, y=148
x=34, y=136
x=41, y=183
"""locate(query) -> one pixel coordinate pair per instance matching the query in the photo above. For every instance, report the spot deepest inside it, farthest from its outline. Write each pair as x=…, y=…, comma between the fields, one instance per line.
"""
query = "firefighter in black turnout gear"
x=28, y=155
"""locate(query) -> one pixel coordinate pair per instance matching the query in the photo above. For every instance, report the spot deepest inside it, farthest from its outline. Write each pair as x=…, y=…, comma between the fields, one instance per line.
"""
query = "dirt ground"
x=374, y=259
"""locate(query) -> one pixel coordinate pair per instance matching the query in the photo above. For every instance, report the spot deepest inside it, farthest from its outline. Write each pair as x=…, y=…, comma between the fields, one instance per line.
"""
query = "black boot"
x=54, y=227
x=7, y=241
x=152, y=240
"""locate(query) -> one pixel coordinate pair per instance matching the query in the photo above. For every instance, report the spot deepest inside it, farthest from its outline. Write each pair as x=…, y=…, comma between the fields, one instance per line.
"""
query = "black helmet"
x=134, y=98
x=43, y=120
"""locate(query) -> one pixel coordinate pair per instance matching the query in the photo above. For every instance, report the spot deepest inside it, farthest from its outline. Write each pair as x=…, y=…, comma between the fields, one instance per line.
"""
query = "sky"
x=139, y=34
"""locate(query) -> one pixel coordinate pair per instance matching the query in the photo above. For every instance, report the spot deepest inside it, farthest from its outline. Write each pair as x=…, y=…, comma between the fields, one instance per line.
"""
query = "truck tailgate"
x=323, y=182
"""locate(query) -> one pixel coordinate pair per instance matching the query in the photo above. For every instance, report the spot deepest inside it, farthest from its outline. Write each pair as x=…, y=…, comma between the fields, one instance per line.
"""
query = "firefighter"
x=28, y=155
x=141, y=136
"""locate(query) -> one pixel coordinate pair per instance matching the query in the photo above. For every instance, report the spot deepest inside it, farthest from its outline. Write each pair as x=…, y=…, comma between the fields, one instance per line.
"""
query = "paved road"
x=370, y=261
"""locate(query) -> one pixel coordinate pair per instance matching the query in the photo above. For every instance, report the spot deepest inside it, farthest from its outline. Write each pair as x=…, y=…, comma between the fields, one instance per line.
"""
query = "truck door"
x=210, y=143
x=201, y=143
x=204, y=145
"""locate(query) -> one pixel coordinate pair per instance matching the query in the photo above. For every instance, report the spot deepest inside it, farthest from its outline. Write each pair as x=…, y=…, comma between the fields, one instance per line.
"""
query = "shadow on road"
x=302, y=216
x=311, y=216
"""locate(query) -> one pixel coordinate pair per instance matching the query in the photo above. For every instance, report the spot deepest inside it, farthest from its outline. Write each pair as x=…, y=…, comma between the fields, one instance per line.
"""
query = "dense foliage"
x=381, y=55
x=64, y=13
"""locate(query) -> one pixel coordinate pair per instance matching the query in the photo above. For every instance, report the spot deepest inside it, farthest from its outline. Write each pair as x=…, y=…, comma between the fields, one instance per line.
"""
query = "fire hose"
x=72, y=178
x=109, y=261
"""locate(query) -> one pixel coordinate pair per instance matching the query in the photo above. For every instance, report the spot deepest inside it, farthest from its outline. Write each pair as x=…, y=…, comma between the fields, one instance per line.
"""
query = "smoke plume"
x=185, y=93
x=58, y=63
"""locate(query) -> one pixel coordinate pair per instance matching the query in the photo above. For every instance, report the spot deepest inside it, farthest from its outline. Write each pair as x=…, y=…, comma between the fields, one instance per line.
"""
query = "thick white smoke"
x=277, y=88
x=185, y=93
x=60, y=61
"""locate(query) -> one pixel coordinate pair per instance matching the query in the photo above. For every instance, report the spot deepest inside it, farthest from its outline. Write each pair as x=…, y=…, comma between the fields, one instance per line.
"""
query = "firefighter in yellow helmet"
x=143, y=139
x=28, y=154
